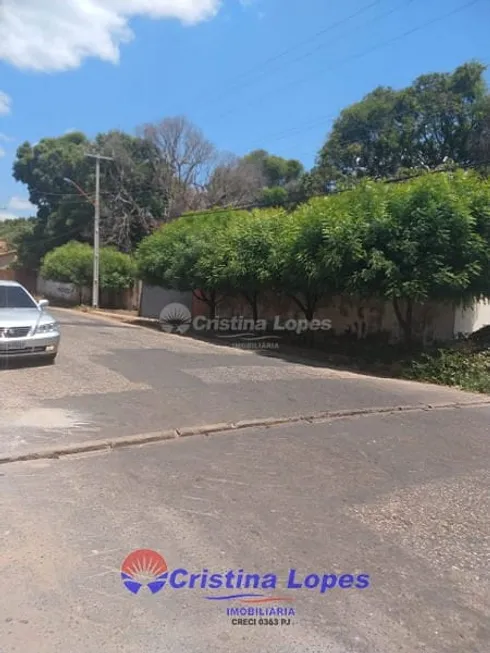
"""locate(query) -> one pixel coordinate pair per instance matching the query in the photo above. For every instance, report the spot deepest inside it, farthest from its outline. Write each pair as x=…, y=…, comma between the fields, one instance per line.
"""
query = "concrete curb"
x=212, y=429
x=128, y=320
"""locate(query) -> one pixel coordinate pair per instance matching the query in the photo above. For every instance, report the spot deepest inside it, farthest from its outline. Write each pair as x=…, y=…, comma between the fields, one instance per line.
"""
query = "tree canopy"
x=61, y=182
x=73, y=263
x=14, y=230
x=281, y=178
x=168, y=169
x=406, y=243
x=427, y=239
x=275, y=170
x=422, y=126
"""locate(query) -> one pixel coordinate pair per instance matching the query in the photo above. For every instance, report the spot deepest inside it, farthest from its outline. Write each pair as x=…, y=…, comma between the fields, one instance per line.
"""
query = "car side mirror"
x=43, y=304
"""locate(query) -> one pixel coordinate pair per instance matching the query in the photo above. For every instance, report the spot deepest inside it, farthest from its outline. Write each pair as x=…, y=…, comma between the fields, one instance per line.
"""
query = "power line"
x=363, y=53
x=148, y=189
x=394, y=180
x=254, y=205
x=309, y=124
x=260, y=67
x=309, y=53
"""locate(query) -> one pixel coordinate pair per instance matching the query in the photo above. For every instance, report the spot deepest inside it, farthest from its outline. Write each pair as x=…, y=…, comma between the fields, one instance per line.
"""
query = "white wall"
x=469, y=320
x=65, y=292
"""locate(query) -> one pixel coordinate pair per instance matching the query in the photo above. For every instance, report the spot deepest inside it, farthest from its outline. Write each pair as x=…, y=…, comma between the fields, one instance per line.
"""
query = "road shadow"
x=298, y=353
x=369, y=356
x=23, y=363
x=338, y=362
x=371, y=365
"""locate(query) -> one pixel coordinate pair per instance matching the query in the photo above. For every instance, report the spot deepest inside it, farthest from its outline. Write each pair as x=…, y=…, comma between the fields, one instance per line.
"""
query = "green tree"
x=274, y=197
x=70, y=263
x=136, y=190
x=418, y=127
x=248, y=254
x=133, y=197
x=275, y=170
x=73, y=263
x=14, y=230
x=320, y=251
x=479, y=144
x=427, y=240
x=190, y=254
x=117, y=269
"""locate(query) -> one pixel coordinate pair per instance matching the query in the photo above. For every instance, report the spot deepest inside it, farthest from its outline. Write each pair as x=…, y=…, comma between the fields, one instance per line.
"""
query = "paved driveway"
x=402, y=497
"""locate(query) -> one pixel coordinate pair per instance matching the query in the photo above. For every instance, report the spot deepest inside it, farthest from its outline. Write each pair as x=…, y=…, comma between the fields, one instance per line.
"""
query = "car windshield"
x=15, y=297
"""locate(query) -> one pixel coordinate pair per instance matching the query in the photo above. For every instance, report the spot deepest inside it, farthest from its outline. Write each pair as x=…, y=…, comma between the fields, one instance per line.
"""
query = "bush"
x=421, y=241
x=466, y=369
x=117, y=270
x=73, y=263
x=190, y=254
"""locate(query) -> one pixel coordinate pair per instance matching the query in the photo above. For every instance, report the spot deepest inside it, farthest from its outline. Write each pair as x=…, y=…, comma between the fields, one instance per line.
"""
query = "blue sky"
x=251, y=74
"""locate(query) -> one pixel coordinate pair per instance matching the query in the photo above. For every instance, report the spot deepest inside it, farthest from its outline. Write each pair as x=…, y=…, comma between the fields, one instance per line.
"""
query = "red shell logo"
x=144, y=567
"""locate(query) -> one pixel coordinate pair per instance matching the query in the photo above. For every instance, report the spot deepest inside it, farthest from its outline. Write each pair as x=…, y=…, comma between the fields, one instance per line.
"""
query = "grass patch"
x=467, y=368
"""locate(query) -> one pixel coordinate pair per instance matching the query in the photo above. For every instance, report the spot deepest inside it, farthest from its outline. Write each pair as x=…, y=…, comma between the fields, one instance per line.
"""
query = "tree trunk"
x=212, y=304
x=253, y=300
x=311, y=302
x=309, y=306
x=210, y=299
x=405, y=321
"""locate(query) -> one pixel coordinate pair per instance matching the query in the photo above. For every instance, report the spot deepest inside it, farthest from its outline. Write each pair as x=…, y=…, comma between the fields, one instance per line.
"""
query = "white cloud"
x=20, y=204
x=5, y=100
x=5, y=138
x=17, y=207
x=2, y=152
x=58, y=35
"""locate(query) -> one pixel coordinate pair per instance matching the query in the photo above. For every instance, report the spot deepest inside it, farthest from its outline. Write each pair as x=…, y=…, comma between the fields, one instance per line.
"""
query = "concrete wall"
x=433, y=322
x=469, y=320
x=65, y=293
x=155, y=298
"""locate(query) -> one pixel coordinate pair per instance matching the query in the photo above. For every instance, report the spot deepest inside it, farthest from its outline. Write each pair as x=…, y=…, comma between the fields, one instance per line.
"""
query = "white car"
x=26, y=329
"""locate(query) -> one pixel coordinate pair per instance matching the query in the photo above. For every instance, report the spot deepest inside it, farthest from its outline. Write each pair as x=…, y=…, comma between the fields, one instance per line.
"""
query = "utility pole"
x=95, y=288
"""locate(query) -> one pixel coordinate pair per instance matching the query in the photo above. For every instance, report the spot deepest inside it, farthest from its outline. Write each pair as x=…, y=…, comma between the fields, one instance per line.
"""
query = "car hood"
x=16, y=317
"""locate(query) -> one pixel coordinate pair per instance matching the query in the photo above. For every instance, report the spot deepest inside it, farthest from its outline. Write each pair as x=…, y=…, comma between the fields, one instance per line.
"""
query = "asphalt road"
x=113, y=380
x=402, y=497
